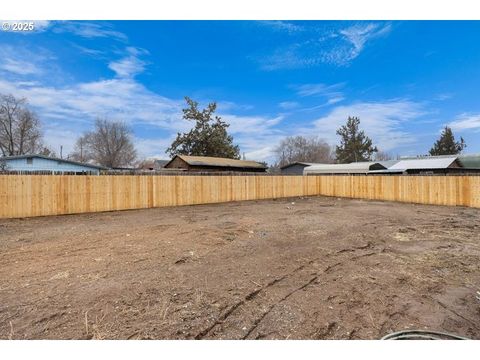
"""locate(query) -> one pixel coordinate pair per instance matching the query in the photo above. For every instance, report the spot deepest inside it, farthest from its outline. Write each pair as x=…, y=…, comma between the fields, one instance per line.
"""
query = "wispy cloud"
x=465, y=122
x=289, y=105
x=21, y=61
x=130, y=65
x=95, y=53
x=283, y=26
x=355, y=39
x=319, y=89
x=315, y=46
x=251, y=124
x=91, y=30
x=19, y=67
x=331, y=94
x=443, y=96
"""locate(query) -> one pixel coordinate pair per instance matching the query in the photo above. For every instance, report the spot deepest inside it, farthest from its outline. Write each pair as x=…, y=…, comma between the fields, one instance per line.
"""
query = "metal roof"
x=352, y=168
x=388, y=163
x=218, y=162
x=299, y=163
x=424, y=163
x=53, y=159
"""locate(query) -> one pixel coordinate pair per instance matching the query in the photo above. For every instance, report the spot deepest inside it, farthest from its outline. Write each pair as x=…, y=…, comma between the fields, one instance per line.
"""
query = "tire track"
x=227, y=325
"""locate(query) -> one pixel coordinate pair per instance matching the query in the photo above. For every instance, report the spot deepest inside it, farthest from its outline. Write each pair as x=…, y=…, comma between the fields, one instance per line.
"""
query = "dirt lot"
x=303, y=268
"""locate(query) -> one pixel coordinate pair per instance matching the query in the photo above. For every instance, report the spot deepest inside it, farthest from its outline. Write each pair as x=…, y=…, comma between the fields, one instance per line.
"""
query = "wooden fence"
x=39, y=195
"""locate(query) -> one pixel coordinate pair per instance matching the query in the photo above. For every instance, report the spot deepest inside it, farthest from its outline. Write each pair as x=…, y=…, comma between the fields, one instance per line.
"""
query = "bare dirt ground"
x=302, y=268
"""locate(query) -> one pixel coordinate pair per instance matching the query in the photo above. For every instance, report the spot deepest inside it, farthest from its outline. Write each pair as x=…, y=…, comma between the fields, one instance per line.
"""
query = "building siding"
x=41, y=164
x=296, y=169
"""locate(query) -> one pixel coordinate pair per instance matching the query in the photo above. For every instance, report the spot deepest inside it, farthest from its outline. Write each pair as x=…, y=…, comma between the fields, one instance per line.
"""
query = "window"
x=29, y=160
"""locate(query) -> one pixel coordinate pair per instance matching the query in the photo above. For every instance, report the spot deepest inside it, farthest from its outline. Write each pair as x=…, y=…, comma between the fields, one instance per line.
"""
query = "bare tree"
x=109, y=144
x=306, y=149
x=19, y=127
x=81, y=151
x=383, y=156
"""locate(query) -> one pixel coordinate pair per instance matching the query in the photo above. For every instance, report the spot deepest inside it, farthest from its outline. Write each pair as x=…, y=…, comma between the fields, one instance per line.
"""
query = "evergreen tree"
x=354, y=144
x=208, y=137
x=446, y=144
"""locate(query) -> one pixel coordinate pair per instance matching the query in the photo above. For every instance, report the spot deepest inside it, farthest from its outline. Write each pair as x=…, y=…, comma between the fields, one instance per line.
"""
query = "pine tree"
x=354, y=144
x=446, y=144
x=209, y=136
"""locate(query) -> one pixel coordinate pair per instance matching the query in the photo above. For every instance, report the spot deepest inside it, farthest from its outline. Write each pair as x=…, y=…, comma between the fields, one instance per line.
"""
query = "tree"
x=302, y=149
x=3, y=166
x=354, y=144
x=109, y=144
x=208, y=137
x=446, y=144
x=47, y=151
x=80, y=151
x=19, y=127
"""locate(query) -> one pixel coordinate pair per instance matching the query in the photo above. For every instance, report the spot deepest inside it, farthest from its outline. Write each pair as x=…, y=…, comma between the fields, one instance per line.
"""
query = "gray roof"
x=53, y=159
x=161, y=163
x=298, y=163
x=352, y=168
x=424, y=163
x=388, y=163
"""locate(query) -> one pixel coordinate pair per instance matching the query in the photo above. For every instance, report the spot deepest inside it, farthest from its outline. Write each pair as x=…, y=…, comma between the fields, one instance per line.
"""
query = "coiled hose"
x=422, y=335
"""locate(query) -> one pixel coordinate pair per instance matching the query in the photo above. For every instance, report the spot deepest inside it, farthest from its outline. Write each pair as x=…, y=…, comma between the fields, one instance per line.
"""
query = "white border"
x=239, y=9
x=242, y=350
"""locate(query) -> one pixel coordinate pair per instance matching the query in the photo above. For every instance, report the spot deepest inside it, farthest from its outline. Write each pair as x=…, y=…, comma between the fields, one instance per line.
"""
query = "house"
x=351, y=168
x=41, y=163
x=213, y=164
x=295, y=168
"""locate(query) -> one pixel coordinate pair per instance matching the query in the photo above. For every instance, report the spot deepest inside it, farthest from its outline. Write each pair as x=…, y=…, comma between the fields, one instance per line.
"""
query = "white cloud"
x=19, y=67
x=331, y=93
x=383, y=122
x=130, y=65
x=153, y=148
x=256, y=135
x=358, y=35
x=90, y=30
x=123, y=99
x=337, y=47
x=22, y=61
x=466, y=122
x=283, y=26
x=250, y=124
x=319, y=89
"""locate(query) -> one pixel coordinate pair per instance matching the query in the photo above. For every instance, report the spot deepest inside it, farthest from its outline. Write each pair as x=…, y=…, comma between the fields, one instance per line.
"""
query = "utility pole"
x=61, y=151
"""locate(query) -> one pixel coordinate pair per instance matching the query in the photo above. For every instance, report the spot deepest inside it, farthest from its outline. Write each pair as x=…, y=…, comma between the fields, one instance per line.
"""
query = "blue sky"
x=405, y=80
